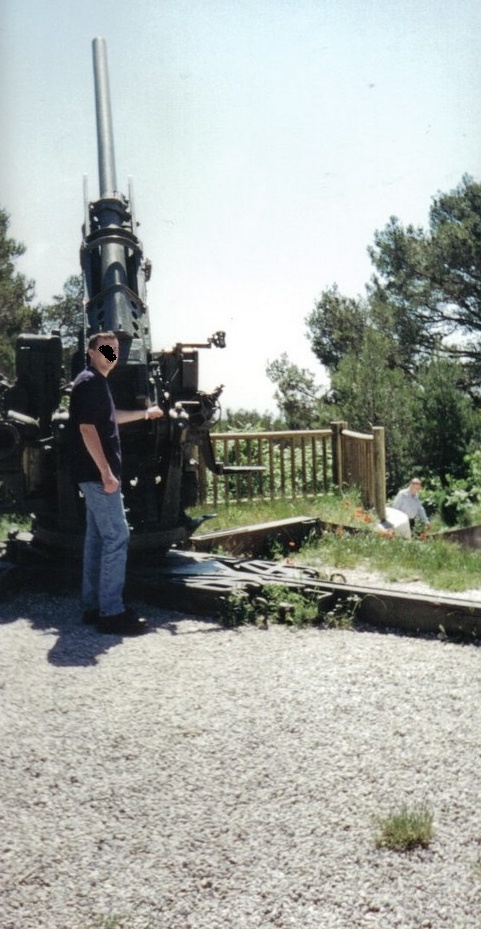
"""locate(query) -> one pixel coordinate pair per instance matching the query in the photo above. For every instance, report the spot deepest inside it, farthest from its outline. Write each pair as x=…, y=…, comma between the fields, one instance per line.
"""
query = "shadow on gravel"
x=76, y=645
x=80, y=645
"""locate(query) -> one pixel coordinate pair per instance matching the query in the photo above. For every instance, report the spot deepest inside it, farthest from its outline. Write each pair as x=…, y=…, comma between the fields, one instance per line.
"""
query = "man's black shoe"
x=122, y=624
x=90, y=617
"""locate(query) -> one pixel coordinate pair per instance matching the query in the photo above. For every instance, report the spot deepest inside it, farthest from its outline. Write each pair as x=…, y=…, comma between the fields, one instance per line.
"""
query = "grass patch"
x=442, y=565
x=331, y=507
x=405, y=830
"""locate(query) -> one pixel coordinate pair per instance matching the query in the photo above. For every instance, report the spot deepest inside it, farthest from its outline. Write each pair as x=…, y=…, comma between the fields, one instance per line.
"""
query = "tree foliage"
x=407, y=354
x=297, y=394
x=17, y=312
x=446, y=420
x=243, y=420
x=430, y=281
x=368, y=392
x=65, y=314
x=335, y=327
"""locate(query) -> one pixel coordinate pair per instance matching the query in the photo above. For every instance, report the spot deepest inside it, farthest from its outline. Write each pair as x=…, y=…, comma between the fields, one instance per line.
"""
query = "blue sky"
x=267, y=140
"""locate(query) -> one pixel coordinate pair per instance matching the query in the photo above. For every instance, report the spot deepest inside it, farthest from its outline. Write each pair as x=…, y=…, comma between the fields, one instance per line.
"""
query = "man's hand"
x=110, y=482
x=154, y=412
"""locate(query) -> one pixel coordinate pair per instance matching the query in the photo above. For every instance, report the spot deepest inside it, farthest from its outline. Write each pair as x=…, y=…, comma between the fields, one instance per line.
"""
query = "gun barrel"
x=105, y=135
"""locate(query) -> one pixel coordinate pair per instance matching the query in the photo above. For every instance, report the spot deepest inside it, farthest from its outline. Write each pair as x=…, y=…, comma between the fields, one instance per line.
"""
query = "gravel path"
x=198, y=778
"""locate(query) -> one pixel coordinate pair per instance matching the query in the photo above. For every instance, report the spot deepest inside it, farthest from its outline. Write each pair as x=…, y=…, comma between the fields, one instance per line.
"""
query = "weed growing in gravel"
x=236, y=609
x=290, y=606
x=342, y=614
x=277, y=604
x=115, y=922
x=109, y=922
x=404, y=830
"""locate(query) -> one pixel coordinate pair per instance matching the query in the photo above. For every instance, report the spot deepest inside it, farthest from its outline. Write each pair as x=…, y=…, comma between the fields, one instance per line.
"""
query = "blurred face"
x=104, y=356
x=415, y=487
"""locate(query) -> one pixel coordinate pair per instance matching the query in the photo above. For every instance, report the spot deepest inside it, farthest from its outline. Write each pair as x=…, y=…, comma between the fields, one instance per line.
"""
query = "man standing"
x=96, y=468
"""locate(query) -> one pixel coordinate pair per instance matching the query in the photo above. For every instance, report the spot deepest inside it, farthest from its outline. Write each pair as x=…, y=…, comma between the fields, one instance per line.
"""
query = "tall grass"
x=331, y=507
x=442, y=565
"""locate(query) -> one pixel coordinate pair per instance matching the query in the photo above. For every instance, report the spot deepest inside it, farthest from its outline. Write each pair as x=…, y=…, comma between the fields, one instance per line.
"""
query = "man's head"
x=415, y=485
x=103, y=351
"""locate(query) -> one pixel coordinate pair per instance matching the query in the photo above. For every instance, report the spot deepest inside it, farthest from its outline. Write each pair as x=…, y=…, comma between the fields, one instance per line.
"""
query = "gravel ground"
x=201, y=778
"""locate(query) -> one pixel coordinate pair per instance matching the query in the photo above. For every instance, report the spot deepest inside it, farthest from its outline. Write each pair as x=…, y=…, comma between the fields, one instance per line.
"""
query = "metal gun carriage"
x=160, y=458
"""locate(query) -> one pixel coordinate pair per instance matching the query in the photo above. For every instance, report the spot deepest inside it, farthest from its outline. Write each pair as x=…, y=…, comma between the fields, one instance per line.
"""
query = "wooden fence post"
x=337, y=453
x=379, y=471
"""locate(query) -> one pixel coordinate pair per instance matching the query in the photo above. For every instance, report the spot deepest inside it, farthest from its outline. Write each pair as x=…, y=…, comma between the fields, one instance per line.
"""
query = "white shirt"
x=410, y=504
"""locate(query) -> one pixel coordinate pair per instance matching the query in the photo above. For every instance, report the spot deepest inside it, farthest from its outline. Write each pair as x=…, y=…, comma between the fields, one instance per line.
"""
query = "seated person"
x=408, y=502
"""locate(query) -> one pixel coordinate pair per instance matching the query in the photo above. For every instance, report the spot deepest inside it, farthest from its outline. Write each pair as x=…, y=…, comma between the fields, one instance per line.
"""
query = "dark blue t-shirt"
x=91, y=403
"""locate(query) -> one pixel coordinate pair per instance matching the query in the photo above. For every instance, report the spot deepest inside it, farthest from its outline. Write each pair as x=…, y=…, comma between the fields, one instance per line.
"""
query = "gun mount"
x=160, y=457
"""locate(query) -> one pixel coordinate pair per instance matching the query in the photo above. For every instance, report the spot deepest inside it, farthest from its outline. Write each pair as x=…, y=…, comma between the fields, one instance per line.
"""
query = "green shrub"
x=277, y=604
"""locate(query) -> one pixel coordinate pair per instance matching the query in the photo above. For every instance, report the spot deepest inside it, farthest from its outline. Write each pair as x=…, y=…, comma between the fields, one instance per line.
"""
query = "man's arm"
x=422, y=514
x=94, y=447
x=134, y=416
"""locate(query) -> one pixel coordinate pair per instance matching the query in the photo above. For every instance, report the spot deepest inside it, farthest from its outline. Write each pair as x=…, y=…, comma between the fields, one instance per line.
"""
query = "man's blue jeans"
x=105, y=550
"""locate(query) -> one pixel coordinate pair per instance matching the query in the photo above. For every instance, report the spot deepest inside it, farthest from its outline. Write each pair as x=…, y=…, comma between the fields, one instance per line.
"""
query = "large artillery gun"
x=160, y=457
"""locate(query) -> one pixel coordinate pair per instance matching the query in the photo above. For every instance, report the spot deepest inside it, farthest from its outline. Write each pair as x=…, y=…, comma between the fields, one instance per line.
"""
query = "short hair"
x=97, y=336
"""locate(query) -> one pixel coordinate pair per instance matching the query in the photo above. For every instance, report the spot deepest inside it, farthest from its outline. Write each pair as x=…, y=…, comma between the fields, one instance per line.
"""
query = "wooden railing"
x=290, y=464
x=296, y=463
